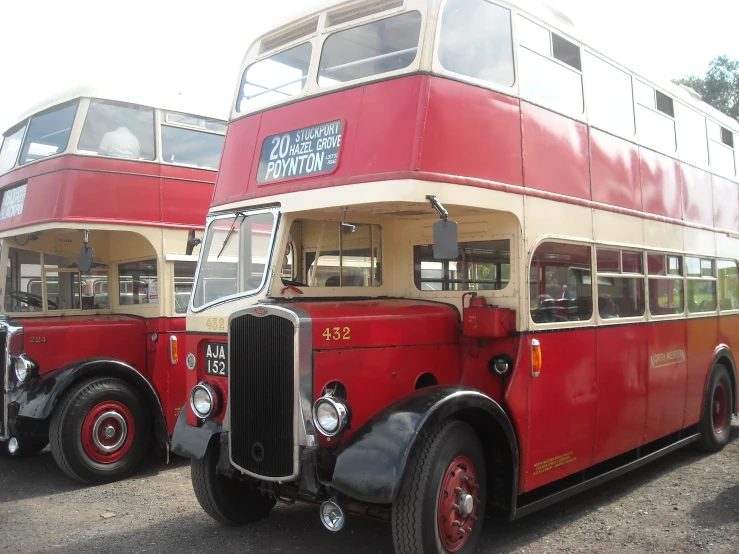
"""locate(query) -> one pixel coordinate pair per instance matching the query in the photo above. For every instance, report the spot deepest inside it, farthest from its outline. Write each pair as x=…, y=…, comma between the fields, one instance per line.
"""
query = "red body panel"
x=555, y=152
x=562, y=408
x=703, y=338
x=84, y=188
x=667, y=378
x=614, y=166
x=725, y=204
x=697, y=194
x=660, y=184
x=196, y=343
x=622, y=389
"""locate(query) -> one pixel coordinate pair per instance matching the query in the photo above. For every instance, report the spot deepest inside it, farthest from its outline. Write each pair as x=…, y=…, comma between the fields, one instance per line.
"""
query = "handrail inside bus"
x=372, y=59
x=274, y=89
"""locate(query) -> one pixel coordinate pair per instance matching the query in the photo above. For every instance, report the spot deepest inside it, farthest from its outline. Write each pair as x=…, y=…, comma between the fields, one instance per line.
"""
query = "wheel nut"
x=468, y=529
x=458, y=490
x=455, y=508
x=455, y=523
x=460, y=532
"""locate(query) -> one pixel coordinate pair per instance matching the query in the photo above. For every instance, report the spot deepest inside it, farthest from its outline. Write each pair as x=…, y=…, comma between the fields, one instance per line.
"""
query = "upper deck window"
x=118, y=130
x=10, y=148
x=691, y=136
x=375, y=48
x=476, y=41
x=549, y=68
x=275, y=78
x=654, y=118
x=191, y=146
x=48, y=133
x=609, y=97
x=721, y=150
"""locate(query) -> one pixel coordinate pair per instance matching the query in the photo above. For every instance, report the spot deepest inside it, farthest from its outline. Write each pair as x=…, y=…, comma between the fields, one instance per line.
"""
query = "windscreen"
x=10, y=148
x=190, y=147
x=275, y=78
x=48, y=132
x=234, y=256
x=371, y=49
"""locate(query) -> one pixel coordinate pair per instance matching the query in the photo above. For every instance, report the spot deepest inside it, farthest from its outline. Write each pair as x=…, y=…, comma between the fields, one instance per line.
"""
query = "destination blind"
x=308, y=151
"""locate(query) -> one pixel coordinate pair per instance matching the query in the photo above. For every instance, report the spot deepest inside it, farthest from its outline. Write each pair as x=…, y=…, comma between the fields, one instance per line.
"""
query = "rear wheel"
x=99, y=431
x=715, y=424
x=441, y=505
x=226, y=500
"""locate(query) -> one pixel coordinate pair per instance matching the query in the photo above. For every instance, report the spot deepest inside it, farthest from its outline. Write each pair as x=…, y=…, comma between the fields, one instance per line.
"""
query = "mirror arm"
x=443, y=213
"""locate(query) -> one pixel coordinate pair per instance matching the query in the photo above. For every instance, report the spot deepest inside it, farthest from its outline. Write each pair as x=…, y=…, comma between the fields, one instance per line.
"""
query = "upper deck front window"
x=193, y=145
x=10, y=148
x=48, y=133
x=375, y=48
x=234, y=256
x=275, y=78
x=118, y=130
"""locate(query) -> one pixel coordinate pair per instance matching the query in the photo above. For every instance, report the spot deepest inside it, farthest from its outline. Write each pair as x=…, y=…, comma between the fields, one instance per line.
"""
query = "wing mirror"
x=84, y=262
x=192, y=242
x=446, y=235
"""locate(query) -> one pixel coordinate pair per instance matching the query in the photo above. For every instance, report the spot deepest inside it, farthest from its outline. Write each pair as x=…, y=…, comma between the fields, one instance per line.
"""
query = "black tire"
x=715, y=429
x=226, y=500
x=415, y=514
x=28, y=447
x=69, y=417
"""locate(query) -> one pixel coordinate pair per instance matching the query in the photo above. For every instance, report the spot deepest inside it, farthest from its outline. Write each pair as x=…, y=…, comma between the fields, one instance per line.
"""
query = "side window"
x=655, y=121
x=481, y=265
x=620, y=283
x=11, y=145
x=721, y=148
x=691, y=136
x=48, y=133
x=476, y=41
x=728, y=284
x=184, y=273
x=22, y=272
x=118, y=130
x=67, y=289
x=609, y=97
x=549, y=68
x=666, y=295
x=701, y=275
x=560, y=283
x=137, y=283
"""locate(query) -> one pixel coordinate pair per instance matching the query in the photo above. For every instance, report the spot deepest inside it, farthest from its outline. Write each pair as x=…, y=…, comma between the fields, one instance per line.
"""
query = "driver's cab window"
x=23, y=281
x=327, y=254
x=137, y=283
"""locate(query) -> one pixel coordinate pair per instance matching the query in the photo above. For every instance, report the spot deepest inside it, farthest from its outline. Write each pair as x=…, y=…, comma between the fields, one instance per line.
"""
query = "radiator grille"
x=3, y=377
x=262, y=396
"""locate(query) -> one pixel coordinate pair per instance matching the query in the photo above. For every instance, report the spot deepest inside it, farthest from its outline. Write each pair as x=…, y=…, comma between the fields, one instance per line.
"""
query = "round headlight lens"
x=327, y=417
x=201, y=401
x=23, y=368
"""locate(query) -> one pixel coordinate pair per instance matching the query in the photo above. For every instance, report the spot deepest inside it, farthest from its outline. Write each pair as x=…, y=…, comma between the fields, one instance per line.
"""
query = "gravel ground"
x=685, y=502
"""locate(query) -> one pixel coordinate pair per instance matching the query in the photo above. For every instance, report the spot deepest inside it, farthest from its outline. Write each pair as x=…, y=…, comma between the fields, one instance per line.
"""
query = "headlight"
x=204, y=401
x=330, y=415
x=23, y=368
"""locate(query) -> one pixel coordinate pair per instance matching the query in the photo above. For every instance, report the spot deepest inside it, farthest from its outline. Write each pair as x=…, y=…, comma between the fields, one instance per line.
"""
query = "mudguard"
x=37, y=399
x=370, y=466
x=192, y=442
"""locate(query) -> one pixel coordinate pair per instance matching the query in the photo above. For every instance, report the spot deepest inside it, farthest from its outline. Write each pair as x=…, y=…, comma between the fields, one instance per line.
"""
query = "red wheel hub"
x=107, y=432
x=720, y=408
x=458, y=500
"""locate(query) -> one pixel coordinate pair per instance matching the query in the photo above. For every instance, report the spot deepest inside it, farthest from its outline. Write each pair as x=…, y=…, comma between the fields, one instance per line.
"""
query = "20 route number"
x=337, y=333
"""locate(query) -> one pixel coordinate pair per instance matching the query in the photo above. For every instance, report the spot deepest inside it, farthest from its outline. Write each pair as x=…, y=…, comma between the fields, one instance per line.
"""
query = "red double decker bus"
x=456, y=261
x=102, y=195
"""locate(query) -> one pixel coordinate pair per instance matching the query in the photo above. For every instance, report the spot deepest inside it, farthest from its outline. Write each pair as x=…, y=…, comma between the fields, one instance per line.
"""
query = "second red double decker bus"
x=456, y=261
x=101, y=196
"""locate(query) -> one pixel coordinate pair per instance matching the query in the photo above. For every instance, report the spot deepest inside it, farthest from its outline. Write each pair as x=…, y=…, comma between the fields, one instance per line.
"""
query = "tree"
x=720, y=86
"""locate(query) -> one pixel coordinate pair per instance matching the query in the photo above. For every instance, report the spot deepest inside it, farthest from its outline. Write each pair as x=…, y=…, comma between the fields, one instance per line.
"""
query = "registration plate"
x=216, y=362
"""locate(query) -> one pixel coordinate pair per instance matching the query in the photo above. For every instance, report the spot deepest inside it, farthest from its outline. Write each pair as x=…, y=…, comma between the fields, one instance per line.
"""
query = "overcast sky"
x=196, y=48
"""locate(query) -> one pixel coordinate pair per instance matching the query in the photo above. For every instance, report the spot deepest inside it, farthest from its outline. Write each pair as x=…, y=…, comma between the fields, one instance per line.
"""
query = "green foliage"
x=720, y=86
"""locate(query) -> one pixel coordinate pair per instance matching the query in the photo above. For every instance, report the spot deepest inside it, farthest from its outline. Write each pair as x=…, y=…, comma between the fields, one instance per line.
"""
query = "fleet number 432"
x=337, y=333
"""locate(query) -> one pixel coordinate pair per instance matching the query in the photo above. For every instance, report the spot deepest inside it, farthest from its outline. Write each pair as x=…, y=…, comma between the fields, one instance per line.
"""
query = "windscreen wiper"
x=230, y=232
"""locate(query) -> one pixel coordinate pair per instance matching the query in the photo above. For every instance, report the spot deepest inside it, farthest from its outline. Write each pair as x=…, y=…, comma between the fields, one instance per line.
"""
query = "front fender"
x=38, y=398
x=192, y=442
x=370, y=466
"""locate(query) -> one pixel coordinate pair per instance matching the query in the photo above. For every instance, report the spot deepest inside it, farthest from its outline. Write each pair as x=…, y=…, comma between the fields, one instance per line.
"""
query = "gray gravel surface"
x=685, y=502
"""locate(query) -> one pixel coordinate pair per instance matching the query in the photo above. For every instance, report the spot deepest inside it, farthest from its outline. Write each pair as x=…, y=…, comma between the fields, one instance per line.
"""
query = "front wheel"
x=99, y=431
x=226, y=500
x=441, y=504
x=715, y=424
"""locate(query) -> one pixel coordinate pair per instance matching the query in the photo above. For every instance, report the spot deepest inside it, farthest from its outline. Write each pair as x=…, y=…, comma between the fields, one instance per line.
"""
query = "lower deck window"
x=184, y=273
x=480, y=265
x=137, y=283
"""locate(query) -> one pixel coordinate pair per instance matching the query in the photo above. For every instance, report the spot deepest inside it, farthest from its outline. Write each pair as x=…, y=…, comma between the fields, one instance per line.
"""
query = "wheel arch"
x=40, y=399
x=373, y=463
x=722, y=354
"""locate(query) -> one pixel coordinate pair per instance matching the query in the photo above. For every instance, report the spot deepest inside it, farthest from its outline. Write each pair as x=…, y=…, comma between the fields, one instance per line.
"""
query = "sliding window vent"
x=363, y=9
x=289, y=35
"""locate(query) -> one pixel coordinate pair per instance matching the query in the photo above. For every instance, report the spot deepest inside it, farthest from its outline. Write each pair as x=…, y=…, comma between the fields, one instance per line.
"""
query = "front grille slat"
x=262, y=396
x=3, y=376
